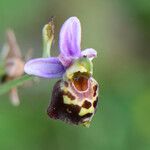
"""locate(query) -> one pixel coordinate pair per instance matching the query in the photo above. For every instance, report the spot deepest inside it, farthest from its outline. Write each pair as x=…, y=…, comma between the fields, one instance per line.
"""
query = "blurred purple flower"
x=69, y=46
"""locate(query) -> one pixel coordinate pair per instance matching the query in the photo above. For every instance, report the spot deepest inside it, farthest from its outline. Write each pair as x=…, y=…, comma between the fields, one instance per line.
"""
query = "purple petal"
x=66, y=61
x=89, y=52
x=70, y=38
x=45, y=67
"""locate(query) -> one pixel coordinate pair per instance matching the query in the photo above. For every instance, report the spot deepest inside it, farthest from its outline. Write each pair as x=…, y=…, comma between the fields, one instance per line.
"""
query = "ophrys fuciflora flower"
x=75, y=95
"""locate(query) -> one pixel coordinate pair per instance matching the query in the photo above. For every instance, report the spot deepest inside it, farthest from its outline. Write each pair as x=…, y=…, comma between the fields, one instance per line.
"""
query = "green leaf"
x=4, y=88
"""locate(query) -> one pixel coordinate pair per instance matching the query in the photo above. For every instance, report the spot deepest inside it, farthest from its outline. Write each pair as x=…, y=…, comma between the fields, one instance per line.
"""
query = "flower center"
x=80, y=81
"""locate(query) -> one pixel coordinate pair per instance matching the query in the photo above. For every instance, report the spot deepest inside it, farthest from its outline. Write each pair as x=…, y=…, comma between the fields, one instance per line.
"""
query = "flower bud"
x=48, y=36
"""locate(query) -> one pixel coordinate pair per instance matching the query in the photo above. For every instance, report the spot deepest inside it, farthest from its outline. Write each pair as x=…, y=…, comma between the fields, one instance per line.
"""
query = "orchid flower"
x=13, y=64
x=75, y=95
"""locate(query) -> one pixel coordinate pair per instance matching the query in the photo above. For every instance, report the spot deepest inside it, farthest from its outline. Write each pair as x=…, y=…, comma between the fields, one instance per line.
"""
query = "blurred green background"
x=120, y=32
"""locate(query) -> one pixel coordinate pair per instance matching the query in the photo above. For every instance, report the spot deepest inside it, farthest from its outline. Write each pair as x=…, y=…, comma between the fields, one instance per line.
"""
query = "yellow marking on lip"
x=74, y=69
x=86, y=124
x=68, y=101
x=85, y=111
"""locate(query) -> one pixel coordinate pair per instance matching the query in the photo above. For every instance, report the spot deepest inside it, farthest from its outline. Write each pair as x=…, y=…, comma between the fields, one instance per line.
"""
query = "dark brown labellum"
x=71, y=105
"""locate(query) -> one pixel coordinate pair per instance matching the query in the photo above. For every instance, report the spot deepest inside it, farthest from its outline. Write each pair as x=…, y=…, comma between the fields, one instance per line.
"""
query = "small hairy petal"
x=89, y=52
x=70, y=38
x=45, y=67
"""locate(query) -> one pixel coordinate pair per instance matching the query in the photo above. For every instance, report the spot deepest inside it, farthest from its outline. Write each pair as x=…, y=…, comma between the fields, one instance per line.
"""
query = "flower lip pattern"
x=69, y=46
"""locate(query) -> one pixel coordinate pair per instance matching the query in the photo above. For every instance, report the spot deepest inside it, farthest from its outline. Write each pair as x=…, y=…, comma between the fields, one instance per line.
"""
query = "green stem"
x=2, y=71
x=4, y=88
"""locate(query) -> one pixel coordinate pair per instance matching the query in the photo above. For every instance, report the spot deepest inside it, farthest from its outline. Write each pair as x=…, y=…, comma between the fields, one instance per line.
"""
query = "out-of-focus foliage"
x=4, y=88
x=120, y=32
